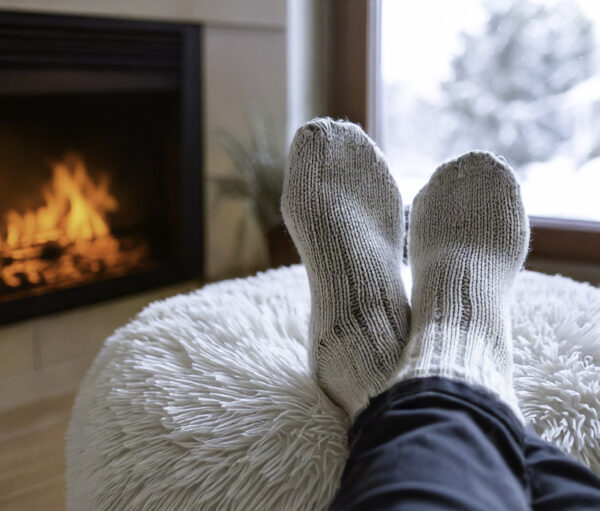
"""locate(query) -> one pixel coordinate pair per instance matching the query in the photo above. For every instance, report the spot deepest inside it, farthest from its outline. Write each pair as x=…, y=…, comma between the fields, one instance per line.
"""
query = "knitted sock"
x=468, y=238
x=344, y=213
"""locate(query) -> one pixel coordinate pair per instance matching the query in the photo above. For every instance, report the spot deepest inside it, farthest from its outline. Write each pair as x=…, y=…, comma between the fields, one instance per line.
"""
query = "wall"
x=244, y=72
x=249, y=13
x=308, y=61
x=245, y=75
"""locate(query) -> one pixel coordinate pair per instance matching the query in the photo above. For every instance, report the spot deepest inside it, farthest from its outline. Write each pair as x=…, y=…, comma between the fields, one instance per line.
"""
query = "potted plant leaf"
x=256, y=179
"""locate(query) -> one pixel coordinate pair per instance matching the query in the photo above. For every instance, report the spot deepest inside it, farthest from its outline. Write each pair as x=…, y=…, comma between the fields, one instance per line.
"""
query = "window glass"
x=520, y=78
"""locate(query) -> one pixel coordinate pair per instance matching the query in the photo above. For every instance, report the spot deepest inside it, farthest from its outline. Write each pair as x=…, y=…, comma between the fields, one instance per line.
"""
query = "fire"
x=66, y=238
x=75, y=209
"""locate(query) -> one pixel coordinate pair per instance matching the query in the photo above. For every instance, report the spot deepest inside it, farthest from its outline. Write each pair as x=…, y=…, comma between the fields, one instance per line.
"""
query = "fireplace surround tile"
x=69, y=335
x=33, y=386
x=16, y=349
x=49, y=355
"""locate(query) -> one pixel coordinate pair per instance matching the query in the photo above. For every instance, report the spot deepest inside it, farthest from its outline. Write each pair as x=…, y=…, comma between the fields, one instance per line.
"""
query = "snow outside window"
x=520, y=78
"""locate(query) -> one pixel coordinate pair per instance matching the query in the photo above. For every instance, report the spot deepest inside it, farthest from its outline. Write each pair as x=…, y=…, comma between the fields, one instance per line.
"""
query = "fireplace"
x=99, y=159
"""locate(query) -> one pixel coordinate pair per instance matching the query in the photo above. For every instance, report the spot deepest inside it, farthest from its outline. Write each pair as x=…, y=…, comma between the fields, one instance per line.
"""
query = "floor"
x=32, y=460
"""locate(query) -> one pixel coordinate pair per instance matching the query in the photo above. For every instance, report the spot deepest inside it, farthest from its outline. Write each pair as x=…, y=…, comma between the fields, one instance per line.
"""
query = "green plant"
x=257, y=173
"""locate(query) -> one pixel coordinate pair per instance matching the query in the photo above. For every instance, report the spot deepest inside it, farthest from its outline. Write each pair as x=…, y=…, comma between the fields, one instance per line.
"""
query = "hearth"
x=99, y=159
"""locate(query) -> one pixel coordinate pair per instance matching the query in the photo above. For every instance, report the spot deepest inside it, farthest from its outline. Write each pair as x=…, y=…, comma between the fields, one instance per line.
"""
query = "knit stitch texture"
x=344, y=213
x=468, y=239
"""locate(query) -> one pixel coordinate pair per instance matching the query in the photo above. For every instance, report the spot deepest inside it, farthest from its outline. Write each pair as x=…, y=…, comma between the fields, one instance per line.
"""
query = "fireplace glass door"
x=99, y=169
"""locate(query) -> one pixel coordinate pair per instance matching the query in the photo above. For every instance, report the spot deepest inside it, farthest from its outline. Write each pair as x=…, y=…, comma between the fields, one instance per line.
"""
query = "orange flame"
x=75, y=209
x=68, y=239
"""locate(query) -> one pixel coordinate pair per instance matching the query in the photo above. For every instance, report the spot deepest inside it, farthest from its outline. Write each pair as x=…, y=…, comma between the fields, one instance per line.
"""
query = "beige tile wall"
x=49, y=355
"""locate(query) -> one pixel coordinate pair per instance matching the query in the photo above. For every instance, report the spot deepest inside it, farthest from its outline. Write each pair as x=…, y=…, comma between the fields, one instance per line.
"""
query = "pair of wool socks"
x=468, y=238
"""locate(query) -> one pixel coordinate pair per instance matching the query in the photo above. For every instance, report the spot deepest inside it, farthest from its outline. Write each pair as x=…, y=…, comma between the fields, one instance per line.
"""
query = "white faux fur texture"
x=205, y=400
x=556, y=331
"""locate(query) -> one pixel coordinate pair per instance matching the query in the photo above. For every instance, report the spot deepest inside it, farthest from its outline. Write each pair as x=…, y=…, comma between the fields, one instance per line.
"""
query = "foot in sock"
x=468, y=239
x=344, y=213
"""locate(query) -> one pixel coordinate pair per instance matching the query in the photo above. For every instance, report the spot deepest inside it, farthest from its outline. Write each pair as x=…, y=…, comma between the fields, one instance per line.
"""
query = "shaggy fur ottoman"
x=205, y=401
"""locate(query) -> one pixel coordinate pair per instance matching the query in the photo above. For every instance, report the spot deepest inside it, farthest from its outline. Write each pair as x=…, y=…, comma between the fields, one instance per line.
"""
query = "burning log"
x=55, y=266
x=68, y=240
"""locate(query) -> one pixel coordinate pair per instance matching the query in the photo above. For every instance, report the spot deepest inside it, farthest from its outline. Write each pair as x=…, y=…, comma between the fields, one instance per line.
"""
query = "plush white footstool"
x=205, y=401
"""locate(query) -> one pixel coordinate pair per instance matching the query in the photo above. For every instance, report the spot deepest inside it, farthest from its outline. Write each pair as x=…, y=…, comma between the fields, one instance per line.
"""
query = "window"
x=520, y=78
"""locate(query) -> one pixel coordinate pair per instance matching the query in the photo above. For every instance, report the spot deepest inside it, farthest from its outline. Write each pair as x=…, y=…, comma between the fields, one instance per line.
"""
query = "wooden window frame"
x=353, y=95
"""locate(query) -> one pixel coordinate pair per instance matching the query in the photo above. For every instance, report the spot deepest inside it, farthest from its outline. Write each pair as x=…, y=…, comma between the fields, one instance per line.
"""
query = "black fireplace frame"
x=117, y=44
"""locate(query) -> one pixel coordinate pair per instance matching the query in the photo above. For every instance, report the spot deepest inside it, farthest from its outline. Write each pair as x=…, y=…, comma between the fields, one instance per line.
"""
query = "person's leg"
x=451, y=445
x=433, y=444
x=558, y=482
x=344, y=212
x=468, y=239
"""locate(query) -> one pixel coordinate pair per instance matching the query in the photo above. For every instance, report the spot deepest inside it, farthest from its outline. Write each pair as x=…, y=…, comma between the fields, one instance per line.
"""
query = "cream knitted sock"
x=344, y=213
x=468, y=238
